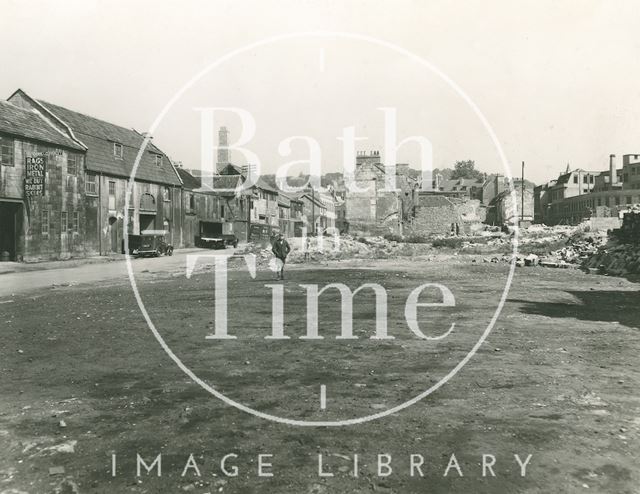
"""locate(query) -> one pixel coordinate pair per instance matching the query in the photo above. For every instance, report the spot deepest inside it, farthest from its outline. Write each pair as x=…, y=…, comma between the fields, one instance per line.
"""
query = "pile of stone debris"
x=321, y=249
x=580, y=245
x=621, y=254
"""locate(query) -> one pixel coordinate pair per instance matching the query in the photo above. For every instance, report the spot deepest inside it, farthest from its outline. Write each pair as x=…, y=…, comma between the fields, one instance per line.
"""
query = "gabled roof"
x=223, y=185
x=261, y=183
x=29, y=124
x=99, y=136
x=305, y=195
x=563, y=179
x=284, y=200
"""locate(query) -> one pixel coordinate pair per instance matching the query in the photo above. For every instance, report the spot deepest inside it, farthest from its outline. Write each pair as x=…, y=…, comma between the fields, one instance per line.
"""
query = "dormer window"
x=118, y=151
x=158, y=158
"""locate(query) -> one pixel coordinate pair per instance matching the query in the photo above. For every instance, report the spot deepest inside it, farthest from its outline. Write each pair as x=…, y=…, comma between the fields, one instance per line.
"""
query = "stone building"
x=314, y=212
x=376, y=210
x=512, y=207
x=578, y=195
x=42, y=211
x=210, y=212
x=110, y=152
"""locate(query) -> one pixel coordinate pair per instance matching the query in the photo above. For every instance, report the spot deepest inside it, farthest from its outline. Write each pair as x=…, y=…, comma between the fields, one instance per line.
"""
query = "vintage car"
x=217, y=242
x=210, y=242
x=150, y=243
x=230, y=240
x=212, y=236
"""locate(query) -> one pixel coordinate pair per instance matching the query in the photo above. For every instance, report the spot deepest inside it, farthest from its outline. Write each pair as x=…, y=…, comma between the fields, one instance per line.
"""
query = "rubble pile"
x=553, y=247
x=581, y=245
x=329, y=248
x=621, y=255
x=617, y=259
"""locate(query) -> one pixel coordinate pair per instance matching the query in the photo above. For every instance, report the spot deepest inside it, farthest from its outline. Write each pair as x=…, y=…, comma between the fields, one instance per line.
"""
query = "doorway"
x=9, y=222
x=113, y=233
x=147, y=222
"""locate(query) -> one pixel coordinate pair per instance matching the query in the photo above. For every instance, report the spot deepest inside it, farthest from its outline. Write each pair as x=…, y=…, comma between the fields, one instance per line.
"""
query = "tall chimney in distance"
x=223, y=152
x=613, y=174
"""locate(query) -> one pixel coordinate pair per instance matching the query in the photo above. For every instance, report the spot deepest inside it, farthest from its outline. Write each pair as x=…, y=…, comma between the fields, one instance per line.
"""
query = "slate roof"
x=231, y=170
x=21, y=122
x=299, y=196
x=433, y=200
x=188, y=180
x=99, y=136
x=222, y=185
x=459, y=184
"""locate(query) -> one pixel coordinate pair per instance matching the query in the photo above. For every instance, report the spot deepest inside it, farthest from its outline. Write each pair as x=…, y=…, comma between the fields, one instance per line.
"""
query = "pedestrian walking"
x=307, y=248
x=280, y=249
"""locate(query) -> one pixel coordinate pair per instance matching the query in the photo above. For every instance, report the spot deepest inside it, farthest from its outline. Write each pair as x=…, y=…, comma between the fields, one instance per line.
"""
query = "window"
x=192, y=202
x=75, y=221
x=158, y=159
x=599, y=201
x=72, y=164
x=590, y=179
x=617, y=200
x=6, y=151
x=112, y=195
x=166, y=194
x=64, y=222
x=585, y=179
x=44, y=226
x=90, y=184
x=221, y=210
x=629, y=201
x=118, y=151
x=575, y=179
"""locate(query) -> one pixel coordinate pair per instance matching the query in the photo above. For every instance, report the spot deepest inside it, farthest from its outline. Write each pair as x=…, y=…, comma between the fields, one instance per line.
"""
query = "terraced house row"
x=64, y=182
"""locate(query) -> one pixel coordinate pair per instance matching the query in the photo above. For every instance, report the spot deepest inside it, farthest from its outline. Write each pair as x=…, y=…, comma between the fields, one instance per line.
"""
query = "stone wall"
x=433, y=215
x=62, y=205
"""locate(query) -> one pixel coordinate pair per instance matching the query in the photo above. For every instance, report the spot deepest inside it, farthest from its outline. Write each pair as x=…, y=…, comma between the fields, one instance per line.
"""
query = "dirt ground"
x=83, y=378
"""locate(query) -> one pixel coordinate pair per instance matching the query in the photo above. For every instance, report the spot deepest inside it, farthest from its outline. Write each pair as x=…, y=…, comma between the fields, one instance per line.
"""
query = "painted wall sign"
x=35, y=167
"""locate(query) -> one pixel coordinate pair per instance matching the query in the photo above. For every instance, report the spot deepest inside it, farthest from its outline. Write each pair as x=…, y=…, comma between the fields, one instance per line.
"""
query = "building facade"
x=152, y=200
x=578, y=195
x=42, y=206
x=372, y=209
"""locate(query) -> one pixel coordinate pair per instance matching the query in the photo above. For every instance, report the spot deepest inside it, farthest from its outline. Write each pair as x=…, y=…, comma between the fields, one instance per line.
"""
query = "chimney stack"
x=613, y=175
x=223, y=152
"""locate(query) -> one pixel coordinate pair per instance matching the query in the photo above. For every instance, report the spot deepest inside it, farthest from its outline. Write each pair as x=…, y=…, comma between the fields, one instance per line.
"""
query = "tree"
x=465, y=169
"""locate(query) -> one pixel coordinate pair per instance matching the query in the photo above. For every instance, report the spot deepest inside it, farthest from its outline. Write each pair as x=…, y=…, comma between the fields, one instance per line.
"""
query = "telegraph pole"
x=313, y=211
x=522, y=197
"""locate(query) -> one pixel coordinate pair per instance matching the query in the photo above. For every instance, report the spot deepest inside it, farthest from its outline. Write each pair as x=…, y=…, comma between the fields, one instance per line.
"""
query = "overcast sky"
x=559, y=82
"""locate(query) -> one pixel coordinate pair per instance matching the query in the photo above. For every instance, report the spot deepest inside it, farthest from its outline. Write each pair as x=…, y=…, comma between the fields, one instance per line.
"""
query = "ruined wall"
x=433, y=215
x=374, y=211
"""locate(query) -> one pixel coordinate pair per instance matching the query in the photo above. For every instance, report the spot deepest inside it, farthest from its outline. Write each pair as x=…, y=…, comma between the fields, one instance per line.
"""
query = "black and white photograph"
x=319, y=246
